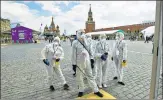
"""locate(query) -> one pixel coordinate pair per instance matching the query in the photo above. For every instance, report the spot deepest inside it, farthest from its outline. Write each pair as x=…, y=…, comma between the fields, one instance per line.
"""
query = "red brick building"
x=90, y=24
x=131, y=30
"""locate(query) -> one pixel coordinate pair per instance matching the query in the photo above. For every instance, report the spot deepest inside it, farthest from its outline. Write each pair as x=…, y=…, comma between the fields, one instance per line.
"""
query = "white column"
x=156, y=64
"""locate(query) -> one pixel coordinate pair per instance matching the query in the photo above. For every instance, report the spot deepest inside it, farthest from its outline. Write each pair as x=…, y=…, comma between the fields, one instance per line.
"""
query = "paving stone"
x=141, y=95
x=130, y=96
x=23, y=74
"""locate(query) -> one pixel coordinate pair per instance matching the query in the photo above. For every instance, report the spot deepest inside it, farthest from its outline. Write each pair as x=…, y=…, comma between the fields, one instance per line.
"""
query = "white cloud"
x=52, y=6
x=105, y=13
x=49, y=6
x=17, y=12
x=27, y=1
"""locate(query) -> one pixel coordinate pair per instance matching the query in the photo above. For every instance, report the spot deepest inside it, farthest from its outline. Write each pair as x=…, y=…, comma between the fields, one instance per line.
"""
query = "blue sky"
x=72, y=15
x=34, y=6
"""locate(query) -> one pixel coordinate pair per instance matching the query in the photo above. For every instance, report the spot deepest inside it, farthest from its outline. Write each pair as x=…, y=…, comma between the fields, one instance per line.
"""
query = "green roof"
x=121, y=31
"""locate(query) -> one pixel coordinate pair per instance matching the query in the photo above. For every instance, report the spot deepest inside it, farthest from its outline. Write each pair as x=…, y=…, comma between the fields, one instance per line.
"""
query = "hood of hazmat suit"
x=80, y=33
x=119, y=36
x=57, y=39
x=55, y=45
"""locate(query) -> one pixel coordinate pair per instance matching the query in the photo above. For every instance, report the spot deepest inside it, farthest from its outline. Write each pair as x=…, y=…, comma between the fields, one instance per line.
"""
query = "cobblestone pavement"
x=23, y=75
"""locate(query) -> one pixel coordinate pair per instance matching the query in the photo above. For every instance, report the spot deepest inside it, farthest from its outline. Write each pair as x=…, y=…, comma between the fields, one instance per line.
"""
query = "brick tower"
x=90, y=24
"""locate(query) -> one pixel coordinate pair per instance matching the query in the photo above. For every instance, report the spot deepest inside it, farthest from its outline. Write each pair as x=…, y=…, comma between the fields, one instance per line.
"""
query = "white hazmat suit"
x=91, y=49
x=81, y=59
x=119, y=56
x=53, y=53
x=102, y=48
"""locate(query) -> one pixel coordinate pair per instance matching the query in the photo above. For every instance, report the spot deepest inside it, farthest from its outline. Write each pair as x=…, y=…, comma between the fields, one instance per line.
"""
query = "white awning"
x=148, y=31
x=105, y=32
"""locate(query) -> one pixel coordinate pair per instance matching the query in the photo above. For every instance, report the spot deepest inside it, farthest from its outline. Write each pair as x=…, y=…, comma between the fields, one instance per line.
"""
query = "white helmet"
x=119, y=36
x=80, y=33
x=57, y=39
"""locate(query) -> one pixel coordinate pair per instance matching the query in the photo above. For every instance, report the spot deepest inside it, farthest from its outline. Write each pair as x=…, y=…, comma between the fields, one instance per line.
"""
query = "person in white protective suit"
x=52, y=55
x=102, y=57
x=119, y=56
x=81, y=59
x=91, y=48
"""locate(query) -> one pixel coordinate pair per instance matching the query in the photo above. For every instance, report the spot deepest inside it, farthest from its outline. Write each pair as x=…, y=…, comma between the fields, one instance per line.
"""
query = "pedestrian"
x=119, y=57
x=102, y=55
x=49, y=40
x=146, y=39
x=52, y=39
x=52, y=55
x=80, y=59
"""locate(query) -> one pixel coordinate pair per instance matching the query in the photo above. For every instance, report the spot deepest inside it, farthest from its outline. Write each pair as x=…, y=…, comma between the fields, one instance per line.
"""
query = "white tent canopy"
x=105, y=32
x=148, y=31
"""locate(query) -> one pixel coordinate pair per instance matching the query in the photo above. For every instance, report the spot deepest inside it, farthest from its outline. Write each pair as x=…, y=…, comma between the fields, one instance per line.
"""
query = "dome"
x=46, y=27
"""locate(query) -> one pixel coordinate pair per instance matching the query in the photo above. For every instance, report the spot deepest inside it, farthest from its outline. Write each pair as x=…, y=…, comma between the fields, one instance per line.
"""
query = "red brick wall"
x=133, y=28
x=90, y=27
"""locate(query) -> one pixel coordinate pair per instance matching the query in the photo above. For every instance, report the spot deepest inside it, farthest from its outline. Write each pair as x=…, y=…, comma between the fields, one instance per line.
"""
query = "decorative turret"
x=52, y=24
x=57, y=27
x=46, y=27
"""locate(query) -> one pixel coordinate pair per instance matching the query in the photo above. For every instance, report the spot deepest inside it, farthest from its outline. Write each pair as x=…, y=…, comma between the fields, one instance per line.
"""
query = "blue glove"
x=104, y=57
x=46, y=62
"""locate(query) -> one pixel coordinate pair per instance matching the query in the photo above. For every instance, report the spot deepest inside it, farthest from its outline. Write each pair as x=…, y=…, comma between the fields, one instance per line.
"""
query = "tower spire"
x=52, y=23
x=90, y=8
x=90, y=18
